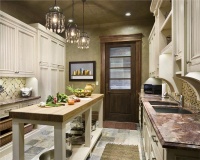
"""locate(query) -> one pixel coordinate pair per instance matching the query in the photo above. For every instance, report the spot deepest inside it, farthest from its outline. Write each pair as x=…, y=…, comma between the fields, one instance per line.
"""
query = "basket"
x=83, y=93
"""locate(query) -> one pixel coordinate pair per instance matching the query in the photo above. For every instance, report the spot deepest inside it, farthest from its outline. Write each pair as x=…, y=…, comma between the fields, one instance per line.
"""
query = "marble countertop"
x=173, y=130
x=17, y=100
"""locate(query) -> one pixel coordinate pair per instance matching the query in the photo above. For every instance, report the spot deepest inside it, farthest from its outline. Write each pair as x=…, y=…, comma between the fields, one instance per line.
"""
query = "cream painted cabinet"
x=193, y=36
x=17, y=47
x=51, y=53
x=153, y=54
x=154, y=150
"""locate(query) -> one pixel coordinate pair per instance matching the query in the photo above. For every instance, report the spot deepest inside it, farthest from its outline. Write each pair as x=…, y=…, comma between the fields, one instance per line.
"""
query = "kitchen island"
x=58, y=117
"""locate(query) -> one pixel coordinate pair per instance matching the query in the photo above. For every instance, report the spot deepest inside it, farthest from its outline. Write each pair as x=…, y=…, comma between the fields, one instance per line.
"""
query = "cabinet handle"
x=175, y=55
x=188, y=62
x=153, y=158
x=153, y=137
x=17, y=72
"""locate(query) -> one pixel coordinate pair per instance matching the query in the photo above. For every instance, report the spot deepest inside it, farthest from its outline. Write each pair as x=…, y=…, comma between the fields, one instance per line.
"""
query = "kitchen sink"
x=176, y=110
x=163, y=103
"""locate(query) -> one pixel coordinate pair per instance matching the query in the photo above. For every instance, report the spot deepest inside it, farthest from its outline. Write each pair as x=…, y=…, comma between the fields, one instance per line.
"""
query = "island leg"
x=100, y=116
x=59, y=141
x=88, y=120
x=18, y=140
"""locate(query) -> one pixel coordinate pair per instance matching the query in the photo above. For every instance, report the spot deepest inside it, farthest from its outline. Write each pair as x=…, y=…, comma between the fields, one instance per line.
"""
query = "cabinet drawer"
x=156, y=146
x=29, y=103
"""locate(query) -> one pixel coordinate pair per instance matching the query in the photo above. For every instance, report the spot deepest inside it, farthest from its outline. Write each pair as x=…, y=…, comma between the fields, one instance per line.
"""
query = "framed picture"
x=82, y=71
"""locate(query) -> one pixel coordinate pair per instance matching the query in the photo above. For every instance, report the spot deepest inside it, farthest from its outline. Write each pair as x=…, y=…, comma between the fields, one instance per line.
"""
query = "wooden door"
x=121, y=104
x=120, y=81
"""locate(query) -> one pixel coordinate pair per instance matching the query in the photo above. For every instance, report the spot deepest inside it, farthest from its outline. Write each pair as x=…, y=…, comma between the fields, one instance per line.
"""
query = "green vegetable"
x=61, y=97
x=53, y=104
x=50, y=99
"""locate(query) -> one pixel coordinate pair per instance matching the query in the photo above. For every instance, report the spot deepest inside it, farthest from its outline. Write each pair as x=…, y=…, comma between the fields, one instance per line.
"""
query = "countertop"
x=173, y=130
x=17, y=100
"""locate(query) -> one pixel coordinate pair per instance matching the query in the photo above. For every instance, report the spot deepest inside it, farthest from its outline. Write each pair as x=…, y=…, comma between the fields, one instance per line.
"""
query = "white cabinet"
x=154, y=150
x=153, y=53
x=51, y=53
x=17, y=47
x=193, y=36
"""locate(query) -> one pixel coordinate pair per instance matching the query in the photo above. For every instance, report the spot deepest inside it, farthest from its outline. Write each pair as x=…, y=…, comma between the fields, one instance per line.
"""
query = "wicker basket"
x=7, y=137
x=5, y=124
x=82, y=94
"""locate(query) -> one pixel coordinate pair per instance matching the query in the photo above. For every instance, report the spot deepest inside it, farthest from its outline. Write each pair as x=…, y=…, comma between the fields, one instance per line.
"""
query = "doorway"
x=121, y=77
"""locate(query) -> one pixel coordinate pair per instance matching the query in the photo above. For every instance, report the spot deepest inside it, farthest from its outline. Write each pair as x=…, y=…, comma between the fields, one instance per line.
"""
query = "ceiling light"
x=127, y=14
x=84, y=40
x=72, y=32
x=55, y=20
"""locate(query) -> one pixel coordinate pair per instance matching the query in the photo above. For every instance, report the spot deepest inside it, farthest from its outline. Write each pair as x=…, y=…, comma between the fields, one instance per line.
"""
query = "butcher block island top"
x=58, y=117
x=56, y=114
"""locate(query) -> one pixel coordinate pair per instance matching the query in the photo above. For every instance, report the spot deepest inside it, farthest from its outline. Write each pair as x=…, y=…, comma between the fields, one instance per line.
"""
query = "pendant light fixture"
x=72, y=32
x=84, y=40
x=55, y=20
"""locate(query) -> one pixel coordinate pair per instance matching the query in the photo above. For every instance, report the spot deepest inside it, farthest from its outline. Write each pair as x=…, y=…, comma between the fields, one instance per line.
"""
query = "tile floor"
x=45, y=140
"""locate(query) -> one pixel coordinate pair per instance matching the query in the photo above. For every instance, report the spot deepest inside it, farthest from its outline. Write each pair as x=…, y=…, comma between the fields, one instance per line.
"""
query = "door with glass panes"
x=120, y=78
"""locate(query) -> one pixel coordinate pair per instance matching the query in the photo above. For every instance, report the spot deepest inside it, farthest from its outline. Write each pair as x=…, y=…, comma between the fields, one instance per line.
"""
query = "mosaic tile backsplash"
x=190, y=97
x=11, y=87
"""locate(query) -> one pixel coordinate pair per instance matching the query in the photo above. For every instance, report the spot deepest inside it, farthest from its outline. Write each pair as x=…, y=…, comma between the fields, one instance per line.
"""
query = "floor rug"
x=120, y=152
x=120, y=125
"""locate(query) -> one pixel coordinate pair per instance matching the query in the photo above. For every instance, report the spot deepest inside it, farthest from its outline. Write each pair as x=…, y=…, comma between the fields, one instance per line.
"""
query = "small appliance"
x=152, y=89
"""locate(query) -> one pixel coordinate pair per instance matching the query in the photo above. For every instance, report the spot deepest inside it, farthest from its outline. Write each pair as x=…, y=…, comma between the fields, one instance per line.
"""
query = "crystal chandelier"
x=84, y=40
x=72, y=32
x=55, y=20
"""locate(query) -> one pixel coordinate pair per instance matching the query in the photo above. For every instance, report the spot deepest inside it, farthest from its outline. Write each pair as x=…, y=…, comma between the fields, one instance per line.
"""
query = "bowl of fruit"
x=78, y=92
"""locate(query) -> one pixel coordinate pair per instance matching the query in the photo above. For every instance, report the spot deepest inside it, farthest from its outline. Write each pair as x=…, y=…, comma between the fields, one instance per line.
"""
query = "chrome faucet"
x=180, y=102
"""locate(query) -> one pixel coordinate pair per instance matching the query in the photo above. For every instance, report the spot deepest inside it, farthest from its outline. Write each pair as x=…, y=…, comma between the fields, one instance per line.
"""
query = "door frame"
x=136, y=38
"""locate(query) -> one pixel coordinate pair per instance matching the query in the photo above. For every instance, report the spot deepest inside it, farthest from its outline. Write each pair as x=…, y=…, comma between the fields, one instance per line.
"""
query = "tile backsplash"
x=190, y=98
x=11, y=87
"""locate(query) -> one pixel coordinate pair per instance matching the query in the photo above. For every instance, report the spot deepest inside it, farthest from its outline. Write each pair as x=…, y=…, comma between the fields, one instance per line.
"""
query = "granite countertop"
x=17, y=100
x=173, y=130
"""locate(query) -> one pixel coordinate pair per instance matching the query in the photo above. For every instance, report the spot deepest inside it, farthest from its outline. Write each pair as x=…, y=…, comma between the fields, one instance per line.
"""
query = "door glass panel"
x=120, y=62
x=120, y=73
x=120, y=84
x=120, y=51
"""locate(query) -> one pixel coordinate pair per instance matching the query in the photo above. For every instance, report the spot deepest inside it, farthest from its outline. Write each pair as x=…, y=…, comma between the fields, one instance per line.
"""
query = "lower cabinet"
x=6, y=121
x=154, y=150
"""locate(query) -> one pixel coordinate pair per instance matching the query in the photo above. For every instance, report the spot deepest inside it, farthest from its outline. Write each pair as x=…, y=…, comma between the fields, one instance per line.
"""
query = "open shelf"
x=167, y=23
x=80, y=152
x=167, y=49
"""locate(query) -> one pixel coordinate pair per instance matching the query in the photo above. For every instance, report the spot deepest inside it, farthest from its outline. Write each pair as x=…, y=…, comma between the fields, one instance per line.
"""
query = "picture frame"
x=82, y=71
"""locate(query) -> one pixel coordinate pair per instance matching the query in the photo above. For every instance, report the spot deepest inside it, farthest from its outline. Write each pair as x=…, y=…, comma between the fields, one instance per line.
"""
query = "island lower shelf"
x=81, y=152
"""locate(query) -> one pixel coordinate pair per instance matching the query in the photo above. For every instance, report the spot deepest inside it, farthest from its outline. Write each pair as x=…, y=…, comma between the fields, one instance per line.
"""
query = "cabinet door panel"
x=54, y=52
x=193, y=59
x=26, y=50
x=44, y=44
x=61, y=54
x=54, y=78
x=7, y=48
x=61, y=81
x=44, y=86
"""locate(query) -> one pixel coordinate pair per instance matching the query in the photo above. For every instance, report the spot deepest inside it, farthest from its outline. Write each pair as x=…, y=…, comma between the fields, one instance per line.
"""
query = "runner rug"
x=120, y=152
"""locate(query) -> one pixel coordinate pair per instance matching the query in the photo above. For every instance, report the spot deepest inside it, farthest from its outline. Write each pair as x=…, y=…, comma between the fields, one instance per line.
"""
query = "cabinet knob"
x=175, y=55
x=188, y=62
x=17, y=72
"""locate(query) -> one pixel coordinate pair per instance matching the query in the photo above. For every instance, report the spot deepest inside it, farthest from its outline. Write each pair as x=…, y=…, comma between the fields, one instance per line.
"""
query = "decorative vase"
x=89, y=88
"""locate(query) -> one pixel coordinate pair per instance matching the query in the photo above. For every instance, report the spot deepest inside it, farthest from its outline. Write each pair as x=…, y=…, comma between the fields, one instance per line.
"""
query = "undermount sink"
x=171, y=110
x=163, y=103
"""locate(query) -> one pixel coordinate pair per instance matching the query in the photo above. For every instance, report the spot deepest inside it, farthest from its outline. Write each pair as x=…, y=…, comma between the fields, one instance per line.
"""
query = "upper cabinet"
x=193, y=36
x=177, y=28
x=17, y=47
